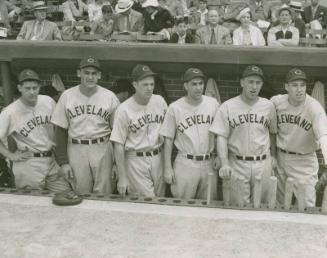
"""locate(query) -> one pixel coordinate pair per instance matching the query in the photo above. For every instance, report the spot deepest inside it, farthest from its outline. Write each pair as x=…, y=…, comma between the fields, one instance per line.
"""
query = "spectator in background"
x=297, y=17
x=40, y=28
x=213, y=33
x=137, y=6
x=177, y=8
x=7, y=12
x=127, y=19
x=274, y=10
x=284, y=34
x=156, y=19
x=106, y=26
x=315, y=11
x=247, y=34
x=74, y=10
x=182, y=35
x=260, y=9
x=95, y=10
x=201, y=14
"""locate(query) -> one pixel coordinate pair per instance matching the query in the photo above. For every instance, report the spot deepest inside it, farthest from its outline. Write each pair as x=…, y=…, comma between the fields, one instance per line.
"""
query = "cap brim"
x=144, y=76
x=297, y=78
x=251, y=74
x=30, y=79
x=195, y=76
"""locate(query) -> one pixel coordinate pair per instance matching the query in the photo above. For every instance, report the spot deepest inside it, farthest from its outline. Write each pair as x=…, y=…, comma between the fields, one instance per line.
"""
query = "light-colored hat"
x=296, y=6
x=123, y=6
x=39, y=5
x=242, y=12
x=153, y=3
x=285, y=7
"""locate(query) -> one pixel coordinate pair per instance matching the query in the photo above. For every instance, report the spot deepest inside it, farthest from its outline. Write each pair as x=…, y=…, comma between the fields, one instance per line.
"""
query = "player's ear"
x=286, y=87
x=242, y=82
x=185, y=86
x=19, y=87
x=78, y=73
x=99, y=76
x=134, y=83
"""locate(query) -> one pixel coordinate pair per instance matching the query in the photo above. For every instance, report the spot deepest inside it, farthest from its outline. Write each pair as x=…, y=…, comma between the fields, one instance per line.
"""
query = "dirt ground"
x=32, y=227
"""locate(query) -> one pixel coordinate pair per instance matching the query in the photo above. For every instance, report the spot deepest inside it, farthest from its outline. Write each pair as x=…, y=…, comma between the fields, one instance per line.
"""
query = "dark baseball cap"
x=295, y=74
x=192, y=73
x=89, y=62
x=28, y=74
x=252, y=70
x=141, y=71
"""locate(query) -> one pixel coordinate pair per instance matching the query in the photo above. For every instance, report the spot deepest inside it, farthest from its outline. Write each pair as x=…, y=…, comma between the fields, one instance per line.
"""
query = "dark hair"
x=181, y=20
x=106, y=9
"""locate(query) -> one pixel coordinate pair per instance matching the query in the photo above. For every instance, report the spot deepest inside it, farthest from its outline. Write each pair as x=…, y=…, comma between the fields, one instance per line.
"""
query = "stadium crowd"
x=250, y=23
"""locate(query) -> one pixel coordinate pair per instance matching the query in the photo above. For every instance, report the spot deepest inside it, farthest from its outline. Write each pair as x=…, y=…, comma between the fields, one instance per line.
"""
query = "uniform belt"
x=290, y=152
x=252, y=158
x=90, y=141
x=199, y=157
x=149, y=153
x=43, y=154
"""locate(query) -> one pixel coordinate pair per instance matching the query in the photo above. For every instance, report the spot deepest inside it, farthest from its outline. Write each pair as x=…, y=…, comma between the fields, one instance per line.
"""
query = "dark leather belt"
x=43, y=154
x=252, y=158
x=290, y=152
x=149, y=153
x=91, y=141
x=199, y=157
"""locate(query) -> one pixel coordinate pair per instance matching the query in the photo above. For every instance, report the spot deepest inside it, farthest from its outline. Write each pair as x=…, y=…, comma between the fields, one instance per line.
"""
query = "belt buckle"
x=199, y=157
x=148, y=153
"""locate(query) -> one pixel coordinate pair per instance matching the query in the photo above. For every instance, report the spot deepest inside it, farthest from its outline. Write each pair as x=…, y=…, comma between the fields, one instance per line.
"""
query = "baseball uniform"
x=31, y=129
x=299, y=128
x=189, y=126
x=136, y=127
x=246, y=129
x=89, y=122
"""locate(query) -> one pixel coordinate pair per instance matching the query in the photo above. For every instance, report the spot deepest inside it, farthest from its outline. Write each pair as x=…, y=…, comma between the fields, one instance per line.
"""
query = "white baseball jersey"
x=246, y=127
x=29, y=126
x=85, y=117
x=189, y=125
x=137, y=126
x=300, y=127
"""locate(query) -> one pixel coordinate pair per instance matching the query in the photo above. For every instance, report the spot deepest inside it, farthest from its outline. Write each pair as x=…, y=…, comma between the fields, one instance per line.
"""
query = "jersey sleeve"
x=168, y=128
x=114, y=105
x=6, y=124
x=319, y=124
x=59, y=116
x=220, y=124
x=120, y=127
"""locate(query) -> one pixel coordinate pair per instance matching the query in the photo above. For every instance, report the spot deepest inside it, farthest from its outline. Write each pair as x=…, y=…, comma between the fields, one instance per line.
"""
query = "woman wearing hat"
x=247, y=34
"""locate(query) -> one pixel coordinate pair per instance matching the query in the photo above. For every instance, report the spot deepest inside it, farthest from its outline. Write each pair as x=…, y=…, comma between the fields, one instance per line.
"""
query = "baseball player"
x=186, y=125
x=302, y=128
x=138, y=146
x=83, y=118
x=27, y=121
x=243, y=125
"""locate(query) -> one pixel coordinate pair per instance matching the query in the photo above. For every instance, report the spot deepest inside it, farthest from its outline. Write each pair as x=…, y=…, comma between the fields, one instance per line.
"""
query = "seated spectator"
x=247, y=34
x=104, y=27
x=274, y=10
x=127, y=19
x=156, y=19
x=297, y=17
x=7, y=13
x=74, y=10
x=284, y=34
x=94, y=10
x=260, y=9
x=317, y=12
x=40, y=28
x=182, y=35
x=177, y=8
x=213, y=33
x=137, y=6
x=201, y=14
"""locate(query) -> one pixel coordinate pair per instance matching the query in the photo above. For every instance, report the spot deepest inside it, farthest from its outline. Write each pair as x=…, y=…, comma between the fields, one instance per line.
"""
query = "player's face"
x=296, y=91
x=285, y=17
x=213, y=17
x=29, y=91
x=144, y=87
x=194, y=88
x=89, y=76
x=251, y=86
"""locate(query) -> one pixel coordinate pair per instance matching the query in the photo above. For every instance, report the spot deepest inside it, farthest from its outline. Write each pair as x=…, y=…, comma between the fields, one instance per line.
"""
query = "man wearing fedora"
x=127, y=19
x=40, y=28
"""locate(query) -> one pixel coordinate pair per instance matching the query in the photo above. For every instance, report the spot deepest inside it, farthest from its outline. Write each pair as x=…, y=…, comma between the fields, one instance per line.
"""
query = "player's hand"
x=122, y=186
x=169, y=176
x=273, y=162
x=216, y=163
x=67, y=172
x=322, y=181
x=20, y=155
x=114, y=173
x=225, y=171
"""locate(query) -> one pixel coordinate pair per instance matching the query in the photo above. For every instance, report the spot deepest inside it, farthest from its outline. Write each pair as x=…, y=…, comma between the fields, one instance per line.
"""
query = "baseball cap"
x=295, y=74
x=192, y=73
x=141, y=71
x=252, y=70
x=28, y=74
x=89, y=61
